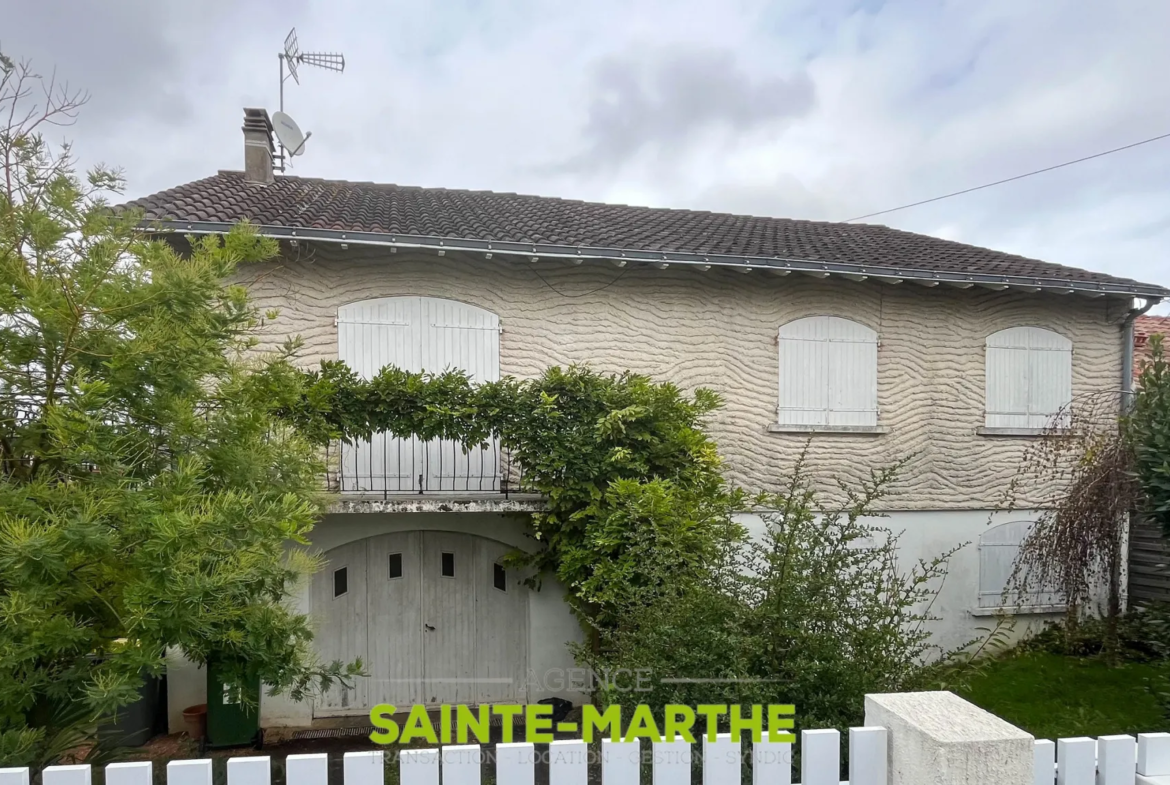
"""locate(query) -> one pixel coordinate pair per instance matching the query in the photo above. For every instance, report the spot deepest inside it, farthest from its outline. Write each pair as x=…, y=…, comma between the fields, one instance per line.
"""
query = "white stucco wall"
x=186, y=686
x=923, y=535
x=718, y=329
x=926, y=535
x=551, y=624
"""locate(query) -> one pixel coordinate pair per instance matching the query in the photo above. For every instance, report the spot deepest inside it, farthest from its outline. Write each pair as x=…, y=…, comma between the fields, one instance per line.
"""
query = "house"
x=1144, y=327
x=869, y=344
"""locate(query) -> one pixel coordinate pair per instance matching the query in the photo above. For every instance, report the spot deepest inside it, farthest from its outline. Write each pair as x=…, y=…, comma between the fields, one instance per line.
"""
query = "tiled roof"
x=481, y=217
x=1143, y=328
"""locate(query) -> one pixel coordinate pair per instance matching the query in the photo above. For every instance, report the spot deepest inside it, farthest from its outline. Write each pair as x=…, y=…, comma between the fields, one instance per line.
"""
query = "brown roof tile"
x=1143, y=328
x=296, y=202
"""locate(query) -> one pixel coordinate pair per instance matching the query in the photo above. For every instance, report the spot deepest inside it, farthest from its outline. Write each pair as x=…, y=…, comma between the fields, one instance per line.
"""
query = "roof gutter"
x=577, y=254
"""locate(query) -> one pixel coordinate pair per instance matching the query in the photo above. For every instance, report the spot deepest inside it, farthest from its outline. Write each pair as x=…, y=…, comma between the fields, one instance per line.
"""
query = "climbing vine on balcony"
x=633, y=482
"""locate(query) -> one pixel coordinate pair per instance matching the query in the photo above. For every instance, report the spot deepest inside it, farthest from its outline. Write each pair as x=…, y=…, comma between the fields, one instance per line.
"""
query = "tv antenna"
x=293, y=57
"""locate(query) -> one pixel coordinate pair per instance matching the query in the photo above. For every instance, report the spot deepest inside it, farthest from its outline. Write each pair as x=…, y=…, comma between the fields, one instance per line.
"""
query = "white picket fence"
x=1109, y=760
x=568, y=763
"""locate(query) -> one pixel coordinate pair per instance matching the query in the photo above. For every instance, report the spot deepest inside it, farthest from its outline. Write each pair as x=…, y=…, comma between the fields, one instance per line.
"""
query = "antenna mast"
x=292, y=56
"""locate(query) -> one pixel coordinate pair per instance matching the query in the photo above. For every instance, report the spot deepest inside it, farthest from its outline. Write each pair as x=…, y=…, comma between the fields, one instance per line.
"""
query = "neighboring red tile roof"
x=338, y=205
x=1143, y=328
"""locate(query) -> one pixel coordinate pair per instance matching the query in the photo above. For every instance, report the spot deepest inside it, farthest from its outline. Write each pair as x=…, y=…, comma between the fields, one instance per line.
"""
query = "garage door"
x=434, y=617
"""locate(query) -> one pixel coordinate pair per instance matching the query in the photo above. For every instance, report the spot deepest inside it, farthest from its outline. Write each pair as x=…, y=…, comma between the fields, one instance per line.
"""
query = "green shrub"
x=1143, y=636
x=816, y=613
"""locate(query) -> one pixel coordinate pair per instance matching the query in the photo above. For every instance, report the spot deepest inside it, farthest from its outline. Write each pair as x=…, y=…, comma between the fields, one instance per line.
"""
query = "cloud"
x=138, y=59
x=820, y=109
x=665, y=99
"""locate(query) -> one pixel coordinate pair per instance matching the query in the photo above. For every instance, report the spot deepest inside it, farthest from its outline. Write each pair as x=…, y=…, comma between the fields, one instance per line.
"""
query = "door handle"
x=429, y=628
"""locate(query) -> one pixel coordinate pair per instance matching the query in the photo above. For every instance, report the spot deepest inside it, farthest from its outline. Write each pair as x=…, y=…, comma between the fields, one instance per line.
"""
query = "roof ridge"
x=559, y=199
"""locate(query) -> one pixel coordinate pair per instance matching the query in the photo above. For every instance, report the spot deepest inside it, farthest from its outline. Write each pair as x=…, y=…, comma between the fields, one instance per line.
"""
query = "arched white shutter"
x=418, y=334
x=370, y=335
x=1028, y=377
x=828, y=373
x=998, y=548
x=459, y=336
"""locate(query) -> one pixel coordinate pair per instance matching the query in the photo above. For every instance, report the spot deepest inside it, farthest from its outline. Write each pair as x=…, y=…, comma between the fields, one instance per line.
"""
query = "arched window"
x=998, y=548
x=828, y=373
x=1028, y=378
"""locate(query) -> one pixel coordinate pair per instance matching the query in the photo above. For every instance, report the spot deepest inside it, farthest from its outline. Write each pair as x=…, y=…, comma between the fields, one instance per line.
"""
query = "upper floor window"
x=828, y=373
x=1029, y=378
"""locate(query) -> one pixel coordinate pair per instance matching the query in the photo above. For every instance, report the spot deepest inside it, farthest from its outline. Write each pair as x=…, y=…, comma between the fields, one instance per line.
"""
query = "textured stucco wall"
x=718, y=329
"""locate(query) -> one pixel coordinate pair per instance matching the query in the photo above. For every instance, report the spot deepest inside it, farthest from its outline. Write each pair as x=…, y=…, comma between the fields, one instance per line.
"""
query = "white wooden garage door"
x=434, y=617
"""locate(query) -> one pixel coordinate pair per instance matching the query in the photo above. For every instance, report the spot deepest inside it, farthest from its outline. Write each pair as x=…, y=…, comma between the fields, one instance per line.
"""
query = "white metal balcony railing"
x=389, y=466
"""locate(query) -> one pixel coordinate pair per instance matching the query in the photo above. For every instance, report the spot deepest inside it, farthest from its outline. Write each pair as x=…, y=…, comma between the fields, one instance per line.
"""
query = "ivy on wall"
x=634, y=486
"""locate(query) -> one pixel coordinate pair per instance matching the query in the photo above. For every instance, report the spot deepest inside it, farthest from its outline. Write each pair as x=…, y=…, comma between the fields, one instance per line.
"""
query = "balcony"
x=389, y=474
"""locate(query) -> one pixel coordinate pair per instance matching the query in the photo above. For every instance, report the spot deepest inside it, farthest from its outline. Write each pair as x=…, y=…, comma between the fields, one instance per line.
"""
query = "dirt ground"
x=179, y=746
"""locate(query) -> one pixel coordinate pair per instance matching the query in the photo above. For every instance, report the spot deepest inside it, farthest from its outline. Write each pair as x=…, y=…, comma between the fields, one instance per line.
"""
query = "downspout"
x=1127, y=354
x=1119, y=586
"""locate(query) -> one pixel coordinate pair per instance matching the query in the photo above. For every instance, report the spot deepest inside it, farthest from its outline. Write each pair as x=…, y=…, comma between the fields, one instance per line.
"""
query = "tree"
x=146, y=491
x=1082, y=465
x=1149, y=430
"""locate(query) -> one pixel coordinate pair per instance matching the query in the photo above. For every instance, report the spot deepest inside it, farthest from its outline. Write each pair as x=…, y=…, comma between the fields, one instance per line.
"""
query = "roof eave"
x=776, y=265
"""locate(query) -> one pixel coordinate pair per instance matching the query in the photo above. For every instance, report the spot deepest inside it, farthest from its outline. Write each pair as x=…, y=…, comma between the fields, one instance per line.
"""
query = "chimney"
x=259, y=151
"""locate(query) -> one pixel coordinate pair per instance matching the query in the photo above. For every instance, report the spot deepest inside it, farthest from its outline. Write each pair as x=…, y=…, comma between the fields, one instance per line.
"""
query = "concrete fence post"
x=937, y=738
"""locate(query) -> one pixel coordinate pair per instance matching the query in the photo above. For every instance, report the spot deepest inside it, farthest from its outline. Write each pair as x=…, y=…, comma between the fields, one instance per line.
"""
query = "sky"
x=818, y=109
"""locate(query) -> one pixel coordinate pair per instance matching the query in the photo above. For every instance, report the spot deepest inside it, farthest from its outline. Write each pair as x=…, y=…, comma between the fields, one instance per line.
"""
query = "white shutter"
x=828, y=373
x=462, y=337
x=998, y=548
x=1028, y=374
x=458, y=336
x=419, y=334
x=371, y=335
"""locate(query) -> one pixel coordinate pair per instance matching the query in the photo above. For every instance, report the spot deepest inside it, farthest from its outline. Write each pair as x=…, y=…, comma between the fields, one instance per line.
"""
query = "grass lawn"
x=1052, y=696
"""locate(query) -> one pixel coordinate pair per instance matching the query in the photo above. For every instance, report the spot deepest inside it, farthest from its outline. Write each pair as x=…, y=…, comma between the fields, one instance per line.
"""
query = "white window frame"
x=828, y=376
x=1027, y=380
x=999, y=546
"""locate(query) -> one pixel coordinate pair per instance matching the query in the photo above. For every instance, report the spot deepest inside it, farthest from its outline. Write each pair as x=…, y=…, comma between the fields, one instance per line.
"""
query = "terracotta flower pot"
x=195, y=718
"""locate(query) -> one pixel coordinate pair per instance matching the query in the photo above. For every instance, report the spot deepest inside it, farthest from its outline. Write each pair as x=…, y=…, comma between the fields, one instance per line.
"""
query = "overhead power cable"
x=1010, y=179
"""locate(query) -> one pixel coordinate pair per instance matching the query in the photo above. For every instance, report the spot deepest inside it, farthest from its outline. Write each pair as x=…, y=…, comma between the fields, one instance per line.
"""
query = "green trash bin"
x=231, y=723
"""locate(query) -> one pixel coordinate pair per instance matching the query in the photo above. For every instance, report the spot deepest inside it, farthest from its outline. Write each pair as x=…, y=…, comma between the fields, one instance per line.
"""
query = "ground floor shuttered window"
x=998, y=548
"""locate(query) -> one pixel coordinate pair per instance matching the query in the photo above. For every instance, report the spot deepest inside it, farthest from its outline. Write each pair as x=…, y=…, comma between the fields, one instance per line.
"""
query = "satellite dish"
x=289, y=133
